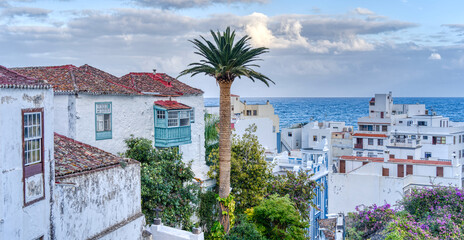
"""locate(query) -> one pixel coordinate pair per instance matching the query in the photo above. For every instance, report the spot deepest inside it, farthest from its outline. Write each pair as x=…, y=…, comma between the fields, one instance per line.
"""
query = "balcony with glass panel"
x=172, y=124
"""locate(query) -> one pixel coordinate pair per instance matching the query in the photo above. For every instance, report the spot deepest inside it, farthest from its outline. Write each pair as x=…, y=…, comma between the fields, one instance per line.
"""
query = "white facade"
x=317, y=162
x=312, y=135
x=264, y=126
x=377, y=181
x=99, y=204
x=130, y=115
x=19, y=220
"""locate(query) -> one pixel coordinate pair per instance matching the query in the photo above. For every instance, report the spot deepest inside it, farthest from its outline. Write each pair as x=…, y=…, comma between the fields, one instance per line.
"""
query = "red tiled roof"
x=83, y=79
x=171, y=105
x=12, y=79
x=233, y=95
x=72, y=156
x=396, y=160
x=370, y=135
x=159, y=83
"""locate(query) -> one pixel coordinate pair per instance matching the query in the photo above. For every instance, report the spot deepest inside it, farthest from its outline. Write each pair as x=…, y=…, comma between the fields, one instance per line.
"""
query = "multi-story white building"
x=311, y=135
x=316, y=161
x=26, y=153
x=261, y=115
x=102, y=110
x=396, y=148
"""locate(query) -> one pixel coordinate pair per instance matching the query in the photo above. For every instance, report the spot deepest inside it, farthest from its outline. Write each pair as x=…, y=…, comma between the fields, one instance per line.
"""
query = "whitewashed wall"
x=266, y=137
x=17, y=221
x=196, y=150
x=92, y=204
x=131, y=115
x=367, y=186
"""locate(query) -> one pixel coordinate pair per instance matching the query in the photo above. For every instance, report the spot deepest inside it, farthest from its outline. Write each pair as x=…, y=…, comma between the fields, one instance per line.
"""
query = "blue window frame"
x=172, y=127
x=103, y=120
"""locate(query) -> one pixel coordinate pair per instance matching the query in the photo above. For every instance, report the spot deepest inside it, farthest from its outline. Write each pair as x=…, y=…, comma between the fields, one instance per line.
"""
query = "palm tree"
x=226, y=60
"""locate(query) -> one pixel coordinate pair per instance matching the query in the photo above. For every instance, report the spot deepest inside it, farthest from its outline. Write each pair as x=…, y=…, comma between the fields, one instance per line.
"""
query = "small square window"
x=370, y=141
x=103, y=118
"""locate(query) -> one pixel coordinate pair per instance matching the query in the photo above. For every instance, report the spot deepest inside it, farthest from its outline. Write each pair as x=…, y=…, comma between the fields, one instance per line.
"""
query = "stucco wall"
x=17, y=221
x=131, y=115
x=266, y=137
x=86, y=205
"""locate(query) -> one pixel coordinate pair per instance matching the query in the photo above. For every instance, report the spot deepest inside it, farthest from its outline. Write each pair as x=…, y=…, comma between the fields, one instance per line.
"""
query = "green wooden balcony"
x=172, y=124
x=173, y=136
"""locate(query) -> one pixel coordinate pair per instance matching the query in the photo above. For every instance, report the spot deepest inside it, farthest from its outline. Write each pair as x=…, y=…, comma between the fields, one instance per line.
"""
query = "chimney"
x=386, y=156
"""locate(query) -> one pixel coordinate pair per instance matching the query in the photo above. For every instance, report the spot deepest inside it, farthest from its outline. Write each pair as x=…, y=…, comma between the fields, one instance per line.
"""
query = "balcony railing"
x=358, y=145
x=408, y=143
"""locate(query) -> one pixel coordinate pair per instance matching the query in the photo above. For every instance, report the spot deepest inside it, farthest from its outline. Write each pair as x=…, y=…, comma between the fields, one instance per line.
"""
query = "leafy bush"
x=250, y=173
x=299, y=187
x=207, y=211
x=403, y=226
x=369, y=220
x=166, y=183
x=427, y=213
x=243, y=229
x=277, y=218
x=441, y=209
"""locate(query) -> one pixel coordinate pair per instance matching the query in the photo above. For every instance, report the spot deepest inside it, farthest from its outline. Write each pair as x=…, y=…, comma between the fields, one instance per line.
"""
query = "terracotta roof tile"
x=13, y=79
x=396, y=160
x=159, y=83
x=370, y=135
x=83, y=79
x=171, y=105
x=72, y=156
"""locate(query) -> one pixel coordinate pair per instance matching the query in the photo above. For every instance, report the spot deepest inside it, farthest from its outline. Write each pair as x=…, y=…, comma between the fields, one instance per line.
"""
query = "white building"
x=312, y=134
x=316, y=161
x=102, y=110
x=26, y=153
x=366, y=180
x=397, y=147
x=261, y=115
x=97, y=194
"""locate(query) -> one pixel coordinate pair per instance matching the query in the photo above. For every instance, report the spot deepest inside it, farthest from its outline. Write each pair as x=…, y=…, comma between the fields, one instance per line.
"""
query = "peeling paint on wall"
x=37, y=99
x=8, y=99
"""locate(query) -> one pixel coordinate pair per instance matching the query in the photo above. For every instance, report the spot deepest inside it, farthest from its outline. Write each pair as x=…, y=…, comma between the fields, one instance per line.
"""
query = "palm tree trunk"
x=224, y=147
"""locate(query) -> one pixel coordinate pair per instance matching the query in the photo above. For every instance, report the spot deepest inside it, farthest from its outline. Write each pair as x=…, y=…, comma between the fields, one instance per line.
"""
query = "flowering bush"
x=369, y=220
x=403, y=226
x=440, y=209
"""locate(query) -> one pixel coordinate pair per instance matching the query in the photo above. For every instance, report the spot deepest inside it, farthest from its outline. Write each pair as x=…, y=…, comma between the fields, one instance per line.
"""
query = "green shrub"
x=277, y=218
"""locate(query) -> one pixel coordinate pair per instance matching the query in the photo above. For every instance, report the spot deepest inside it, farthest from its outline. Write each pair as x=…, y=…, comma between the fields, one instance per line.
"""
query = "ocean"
x=348, y=110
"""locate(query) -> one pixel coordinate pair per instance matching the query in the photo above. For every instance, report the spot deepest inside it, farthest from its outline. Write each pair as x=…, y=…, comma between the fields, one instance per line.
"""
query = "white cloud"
x=363, y=11
x=435, y=56
x=181, y=4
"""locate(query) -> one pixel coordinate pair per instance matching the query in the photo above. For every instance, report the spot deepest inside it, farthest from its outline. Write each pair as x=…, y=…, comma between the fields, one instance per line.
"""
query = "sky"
x=331, y=48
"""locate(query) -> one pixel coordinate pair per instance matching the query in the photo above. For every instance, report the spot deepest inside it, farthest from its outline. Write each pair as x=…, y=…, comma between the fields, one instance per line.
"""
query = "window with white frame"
x=184, y=118
x=33, y=153
x=173, y=118
x=192, y=115
x=370, y=141
x=32, y=138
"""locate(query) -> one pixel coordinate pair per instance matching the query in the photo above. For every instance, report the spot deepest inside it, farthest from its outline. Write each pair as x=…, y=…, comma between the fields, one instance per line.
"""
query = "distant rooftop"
x=396, y=160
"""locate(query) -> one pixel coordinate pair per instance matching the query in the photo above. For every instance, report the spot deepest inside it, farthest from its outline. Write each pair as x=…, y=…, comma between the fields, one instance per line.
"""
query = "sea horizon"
x=294, y=110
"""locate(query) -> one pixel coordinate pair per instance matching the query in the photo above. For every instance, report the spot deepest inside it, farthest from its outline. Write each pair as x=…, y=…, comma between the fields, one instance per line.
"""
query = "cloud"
x=455, y=27
x=435, y=56
x=30, y=12
x=180, y=4
x=363, y=11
